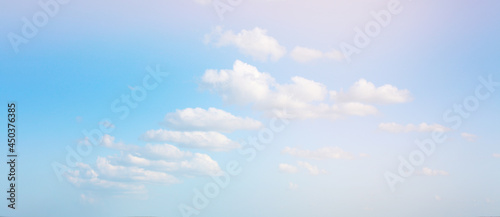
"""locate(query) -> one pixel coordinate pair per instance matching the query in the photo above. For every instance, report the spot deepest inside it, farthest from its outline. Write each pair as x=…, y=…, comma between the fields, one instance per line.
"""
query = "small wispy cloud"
x=292, y=186
x=423, y=127
x=287, y=168
x=305, y=55
x=313, y=170
x=469, y=137
x=430, y=172
x=255, y=42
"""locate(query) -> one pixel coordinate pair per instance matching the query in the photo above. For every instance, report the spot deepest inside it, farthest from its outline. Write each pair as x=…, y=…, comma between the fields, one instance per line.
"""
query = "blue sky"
x=345, y=120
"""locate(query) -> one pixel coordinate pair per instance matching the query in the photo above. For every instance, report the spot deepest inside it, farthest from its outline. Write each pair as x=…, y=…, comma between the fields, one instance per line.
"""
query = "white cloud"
x=255, y=42
x=196, y=139
x=209, y=120
x=313, y=170
x=304, y=55
x=469, y=137
x=303, y=98
x=292, y=186
x=430, y=172
x=319, y=154
x=287, y=168
x=496, y=155
x=423, y=127
x=367, y=92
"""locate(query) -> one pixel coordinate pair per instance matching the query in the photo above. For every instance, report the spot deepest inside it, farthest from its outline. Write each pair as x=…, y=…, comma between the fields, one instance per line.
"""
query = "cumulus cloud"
x=303, y=98
x=469, y=137
x=423, y=127
x=305, y=55
x=255, y=42
x=287, y=168
x=140, y=165
x=209, y=120
x=319, y=154
x=196, y=139
x=430, y=172
x=313, y=170
x=367, y=92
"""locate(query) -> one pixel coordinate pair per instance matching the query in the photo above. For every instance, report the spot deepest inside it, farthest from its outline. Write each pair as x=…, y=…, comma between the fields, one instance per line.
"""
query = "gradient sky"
x=352, y=117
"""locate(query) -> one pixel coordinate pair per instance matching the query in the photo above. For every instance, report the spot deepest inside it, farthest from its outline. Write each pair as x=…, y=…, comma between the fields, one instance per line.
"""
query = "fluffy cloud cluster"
x=423, y=127
x=209, y=120
x=139, y=165
x=160, y=162
x=303, y=98
x=255, y=42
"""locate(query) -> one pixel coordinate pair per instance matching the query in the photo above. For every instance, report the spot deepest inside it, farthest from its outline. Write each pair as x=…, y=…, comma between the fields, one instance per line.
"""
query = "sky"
x=252, y=108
